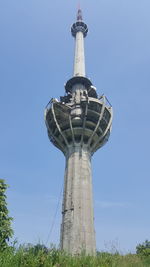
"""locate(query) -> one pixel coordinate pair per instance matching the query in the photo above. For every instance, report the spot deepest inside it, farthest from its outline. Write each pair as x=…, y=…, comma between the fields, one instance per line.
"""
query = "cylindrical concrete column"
x=79, y=61
x=77, y=231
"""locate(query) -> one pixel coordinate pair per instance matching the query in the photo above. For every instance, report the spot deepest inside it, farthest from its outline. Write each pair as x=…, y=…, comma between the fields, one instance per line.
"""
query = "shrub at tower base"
x=5, y=221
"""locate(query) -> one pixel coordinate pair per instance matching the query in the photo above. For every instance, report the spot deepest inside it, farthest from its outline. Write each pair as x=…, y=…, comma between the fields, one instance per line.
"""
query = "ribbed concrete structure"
x=78, y=124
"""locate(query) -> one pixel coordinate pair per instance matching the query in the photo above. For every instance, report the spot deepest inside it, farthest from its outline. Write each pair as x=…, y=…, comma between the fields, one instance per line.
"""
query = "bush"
x=143, y=249
x=5, y=221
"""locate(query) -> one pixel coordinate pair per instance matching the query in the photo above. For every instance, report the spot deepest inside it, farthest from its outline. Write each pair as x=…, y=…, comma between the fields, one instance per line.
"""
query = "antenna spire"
x=79, y=14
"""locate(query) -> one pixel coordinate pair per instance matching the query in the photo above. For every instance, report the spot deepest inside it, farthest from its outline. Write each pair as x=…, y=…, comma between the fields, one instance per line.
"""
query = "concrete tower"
x=78, y=125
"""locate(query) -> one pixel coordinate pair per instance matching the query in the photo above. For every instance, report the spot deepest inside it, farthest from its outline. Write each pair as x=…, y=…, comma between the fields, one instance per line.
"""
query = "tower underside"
x=85, y=120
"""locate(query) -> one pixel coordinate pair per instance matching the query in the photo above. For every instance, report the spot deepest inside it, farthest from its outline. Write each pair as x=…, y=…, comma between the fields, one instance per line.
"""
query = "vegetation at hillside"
x=40, y=256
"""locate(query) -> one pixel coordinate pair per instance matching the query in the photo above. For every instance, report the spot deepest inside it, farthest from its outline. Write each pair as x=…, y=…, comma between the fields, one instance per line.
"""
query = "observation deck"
x=79, y=26
x=88, y=123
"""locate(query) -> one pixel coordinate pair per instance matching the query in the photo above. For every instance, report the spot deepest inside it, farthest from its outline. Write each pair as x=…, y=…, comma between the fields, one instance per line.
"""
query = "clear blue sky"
x=36, y=59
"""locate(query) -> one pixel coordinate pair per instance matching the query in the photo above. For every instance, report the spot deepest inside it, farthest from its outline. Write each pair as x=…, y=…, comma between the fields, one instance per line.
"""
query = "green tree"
x=5, y=221
x=143, y=249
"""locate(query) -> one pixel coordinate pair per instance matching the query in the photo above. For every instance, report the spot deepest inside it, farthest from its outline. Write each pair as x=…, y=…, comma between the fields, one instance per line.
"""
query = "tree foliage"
x=5, y=220
x=144, y=248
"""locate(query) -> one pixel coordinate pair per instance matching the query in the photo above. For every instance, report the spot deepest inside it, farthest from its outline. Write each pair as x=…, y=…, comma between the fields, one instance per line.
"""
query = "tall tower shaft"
x=78, y=124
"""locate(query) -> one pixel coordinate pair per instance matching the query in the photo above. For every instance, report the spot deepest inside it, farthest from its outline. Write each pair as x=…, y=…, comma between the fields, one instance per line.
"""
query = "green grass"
x=31, y=257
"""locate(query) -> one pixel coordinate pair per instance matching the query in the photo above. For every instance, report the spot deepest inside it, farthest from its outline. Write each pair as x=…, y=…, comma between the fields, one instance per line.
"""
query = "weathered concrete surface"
x=77, y=230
